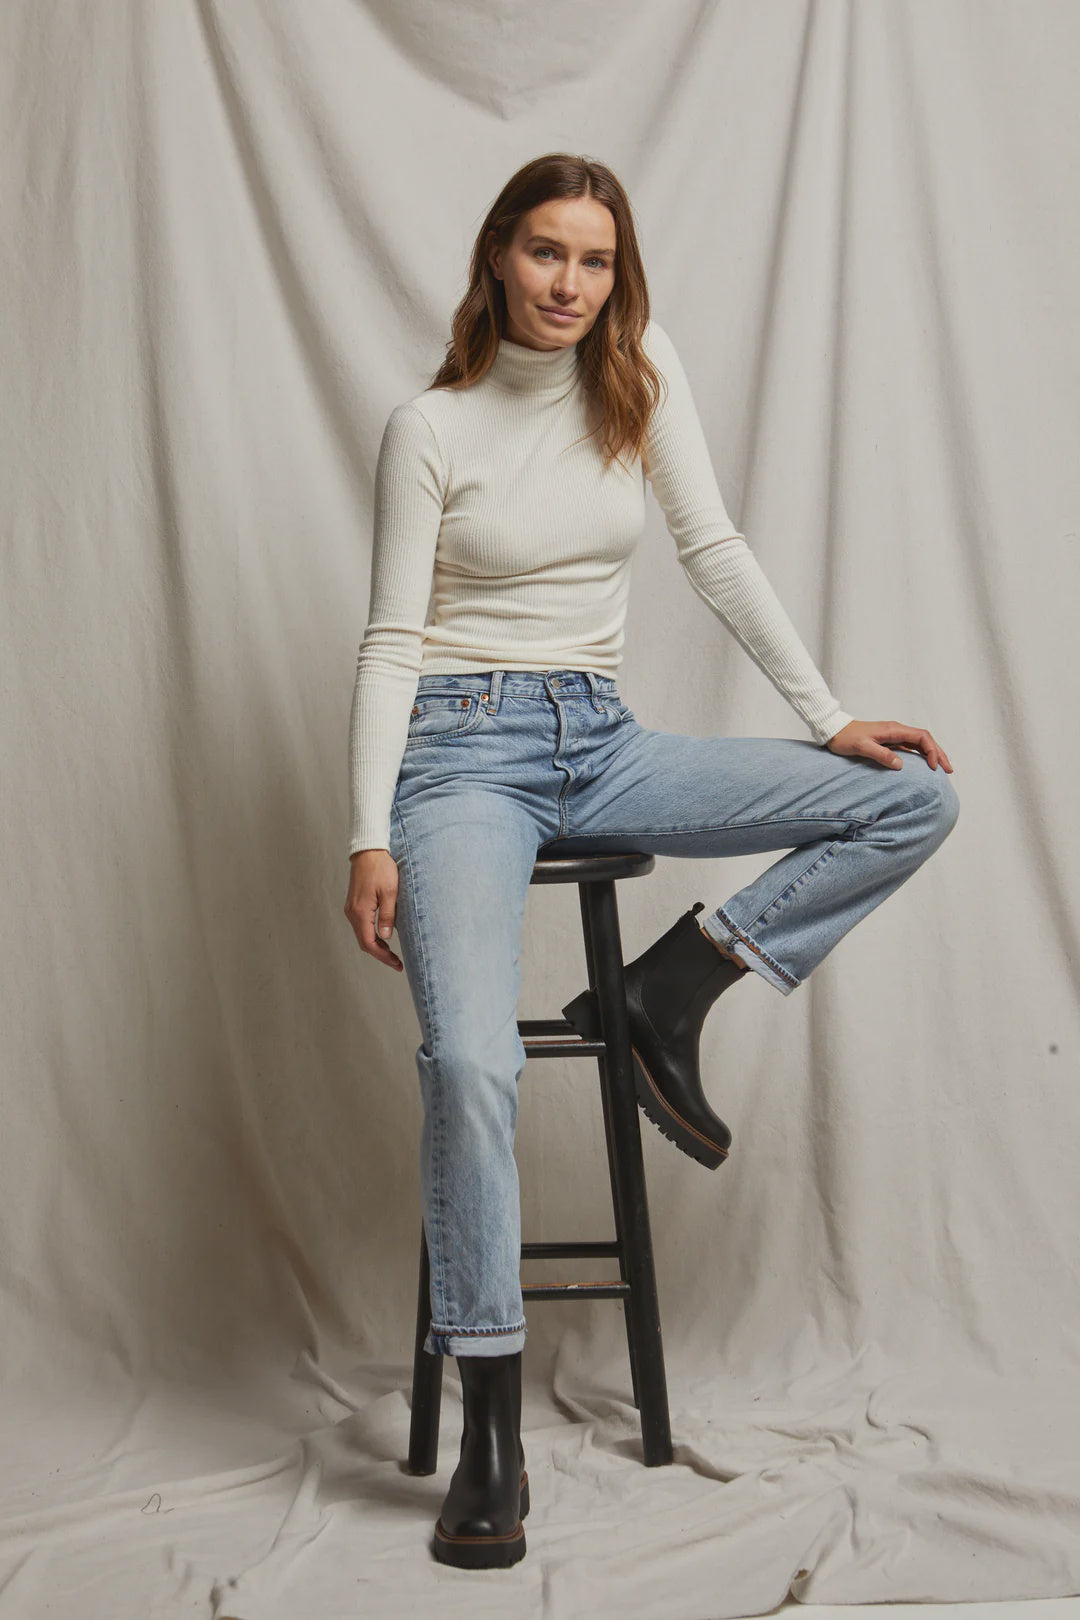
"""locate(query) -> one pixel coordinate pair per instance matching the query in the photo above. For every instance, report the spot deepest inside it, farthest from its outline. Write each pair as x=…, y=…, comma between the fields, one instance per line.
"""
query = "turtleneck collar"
x=533, y=371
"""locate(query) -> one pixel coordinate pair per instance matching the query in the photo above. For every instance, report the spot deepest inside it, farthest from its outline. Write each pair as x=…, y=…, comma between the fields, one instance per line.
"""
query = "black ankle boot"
x=480, y=1523
x=669, y=989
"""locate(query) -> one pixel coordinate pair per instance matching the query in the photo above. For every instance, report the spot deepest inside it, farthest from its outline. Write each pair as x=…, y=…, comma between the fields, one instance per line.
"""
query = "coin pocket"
x=437, y=716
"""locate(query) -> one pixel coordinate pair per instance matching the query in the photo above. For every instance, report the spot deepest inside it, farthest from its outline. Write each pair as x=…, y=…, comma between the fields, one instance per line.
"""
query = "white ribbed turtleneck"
x=521, y=370
x=501, y=541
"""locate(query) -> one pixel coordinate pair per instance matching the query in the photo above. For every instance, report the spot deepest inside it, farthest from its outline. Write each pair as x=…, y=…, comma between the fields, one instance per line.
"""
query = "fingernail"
x=385, y=930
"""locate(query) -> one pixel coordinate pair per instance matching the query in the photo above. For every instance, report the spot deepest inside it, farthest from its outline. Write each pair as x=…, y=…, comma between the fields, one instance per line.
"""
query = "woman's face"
x=562, y=258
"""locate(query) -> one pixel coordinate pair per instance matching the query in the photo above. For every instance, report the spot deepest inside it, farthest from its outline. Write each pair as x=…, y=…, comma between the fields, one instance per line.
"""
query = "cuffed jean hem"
x=476, y=1342
x=719, y=927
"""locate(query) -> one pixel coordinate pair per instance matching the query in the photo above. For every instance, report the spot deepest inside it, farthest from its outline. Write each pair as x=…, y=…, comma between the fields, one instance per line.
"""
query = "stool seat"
x=595, y=873
x=597, y=867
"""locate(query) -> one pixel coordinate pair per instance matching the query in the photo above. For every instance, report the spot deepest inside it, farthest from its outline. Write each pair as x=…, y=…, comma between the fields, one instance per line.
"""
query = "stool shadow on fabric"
x=596, y=875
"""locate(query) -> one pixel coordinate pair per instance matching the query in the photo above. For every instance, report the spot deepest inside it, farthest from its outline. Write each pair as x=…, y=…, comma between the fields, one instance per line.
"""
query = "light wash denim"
x=499, y=764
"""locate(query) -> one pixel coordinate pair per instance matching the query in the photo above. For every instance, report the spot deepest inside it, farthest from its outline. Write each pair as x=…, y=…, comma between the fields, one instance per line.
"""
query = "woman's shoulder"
x=420, y=420
x=434, y=409
x=417, y=408
x=412, y=436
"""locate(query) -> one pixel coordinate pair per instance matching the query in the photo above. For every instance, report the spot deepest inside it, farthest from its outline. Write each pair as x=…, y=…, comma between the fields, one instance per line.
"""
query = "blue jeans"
x=498, y=764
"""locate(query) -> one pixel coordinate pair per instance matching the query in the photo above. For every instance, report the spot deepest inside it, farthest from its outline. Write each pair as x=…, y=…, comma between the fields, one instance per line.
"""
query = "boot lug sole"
x=479, y=1552
x=581, y=1013
x=668, y=1123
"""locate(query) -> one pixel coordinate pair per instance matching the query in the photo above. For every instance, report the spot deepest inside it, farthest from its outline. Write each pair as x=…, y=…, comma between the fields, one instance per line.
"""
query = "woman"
x=511, y=493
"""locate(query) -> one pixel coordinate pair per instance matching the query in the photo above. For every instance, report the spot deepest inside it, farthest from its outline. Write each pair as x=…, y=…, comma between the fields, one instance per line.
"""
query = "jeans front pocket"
x=442, y=716
x=615, y=706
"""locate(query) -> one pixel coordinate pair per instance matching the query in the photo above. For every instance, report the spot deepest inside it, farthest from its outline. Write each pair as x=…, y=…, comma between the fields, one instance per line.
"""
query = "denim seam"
x=435, y=1236
x=511, y=696
x=726, y=826
x=739, y=933
x=441, y=1331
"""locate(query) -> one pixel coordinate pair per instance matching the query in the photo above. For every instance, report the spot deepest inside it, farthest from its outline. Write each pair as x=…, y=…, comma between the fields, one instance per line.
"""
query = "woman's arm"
x=410, y=487
x=718, y=563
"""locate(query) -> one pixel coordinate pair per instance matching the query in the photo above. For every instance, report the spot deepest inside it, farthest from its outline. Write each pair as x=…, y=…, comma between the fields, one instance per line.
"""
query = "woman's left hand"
x=867, y=739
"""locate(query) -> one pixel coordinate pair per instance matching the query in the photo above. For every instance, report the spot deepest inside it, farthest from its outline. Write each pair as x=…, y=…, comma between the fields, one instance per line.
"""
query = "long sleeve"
x=718, y=563
x=410, y=484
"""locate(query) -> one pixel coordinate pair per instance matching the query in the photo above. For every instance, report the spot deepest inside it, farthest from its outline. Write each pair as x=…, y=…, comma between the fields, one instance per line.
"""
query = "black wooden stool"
x=596, y=876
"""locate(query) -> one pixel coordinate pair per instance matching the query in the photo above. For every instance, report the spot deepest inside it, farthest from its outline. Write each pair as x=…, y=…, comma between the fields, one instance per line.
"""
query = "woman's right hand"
x=373, y=888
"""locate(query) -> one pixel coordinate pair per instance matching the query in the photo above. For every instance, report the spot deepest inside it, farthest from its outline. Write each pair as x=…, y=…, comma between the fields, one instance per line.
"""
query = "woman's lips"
x=560, y=314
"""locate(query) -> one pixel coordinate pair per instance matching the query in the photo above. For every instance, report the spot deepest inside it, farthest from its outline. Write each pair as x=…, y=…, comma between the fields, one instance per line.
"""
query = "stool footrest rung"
x=544, y=1026
x=557, y=1037
x=583, y=1290
x=570, y=1251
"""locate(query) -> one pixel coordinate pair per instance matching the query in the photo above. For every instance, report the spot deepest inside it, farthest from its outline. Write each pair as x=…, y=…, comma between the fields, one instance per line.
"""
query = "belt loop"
x=594, y=690
x=494, y=688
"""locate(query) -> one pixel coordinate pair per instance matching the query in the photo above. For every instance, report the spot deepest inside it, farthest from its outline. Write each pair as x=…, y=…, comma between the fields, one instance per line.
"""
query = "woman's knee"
x=942, y=799
x=477, y=1079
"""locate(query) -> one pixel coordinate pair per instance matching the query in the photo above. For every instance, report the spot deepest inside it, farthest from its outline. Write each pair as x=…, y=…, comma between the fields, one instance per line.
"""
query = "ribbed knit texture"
x=519, y=541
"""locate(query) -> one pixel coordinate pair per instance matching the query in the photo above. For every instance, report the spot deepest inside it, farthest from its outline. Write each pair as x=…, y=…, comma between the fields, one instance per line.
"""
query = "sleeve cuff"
x=824, y=730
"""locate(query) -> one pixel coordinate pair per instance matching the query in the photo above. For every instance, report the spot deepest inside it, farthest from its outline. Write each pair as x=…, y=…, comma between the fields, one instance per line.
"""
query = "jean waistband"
x=533, y=682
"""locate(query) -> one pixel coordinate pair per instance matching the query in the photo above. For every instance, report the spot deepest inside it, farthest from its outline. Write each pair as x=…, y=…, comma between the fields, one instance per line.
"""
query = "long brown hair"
x=620, y=381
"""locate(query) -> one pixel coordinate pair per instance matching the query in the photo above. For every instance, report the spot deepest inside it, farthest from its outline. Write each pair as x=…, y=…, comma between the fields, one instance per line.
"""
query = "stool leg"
x=427, y=1379
x=617, y=1078
x=609, y=1137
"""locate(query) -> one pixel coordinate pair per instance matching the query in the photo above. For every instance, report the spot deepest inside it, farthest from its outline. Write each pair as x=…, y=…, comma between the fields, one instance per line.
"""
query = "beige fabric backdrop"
x=233, y=235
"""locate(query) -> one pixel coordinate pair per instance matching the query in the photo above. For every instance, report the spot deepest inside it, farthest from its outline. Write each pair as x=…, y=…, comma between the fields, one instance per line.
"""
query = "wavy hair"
x=621, y=383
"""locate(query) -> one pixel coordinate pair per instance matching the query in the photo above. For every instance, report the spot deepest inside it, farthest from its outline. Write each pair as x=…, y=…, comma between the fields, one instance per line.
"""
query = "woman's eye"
x=592, y=260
